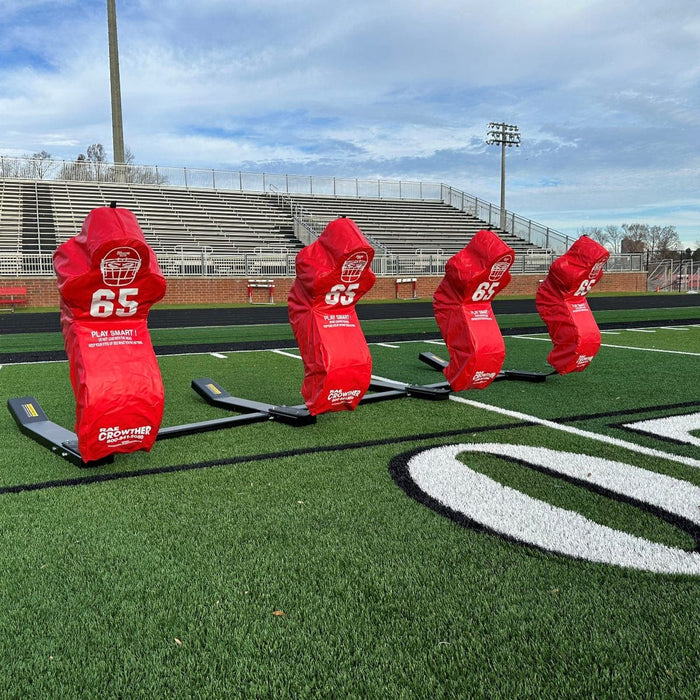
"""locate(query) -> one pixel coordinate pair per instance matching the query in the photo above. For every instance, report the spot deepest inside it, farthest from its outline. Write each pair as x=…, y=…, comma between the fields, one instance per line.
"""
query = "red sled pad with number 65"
x=108, y=278
x=332, y=274
x=561, y=302
x=462, y=306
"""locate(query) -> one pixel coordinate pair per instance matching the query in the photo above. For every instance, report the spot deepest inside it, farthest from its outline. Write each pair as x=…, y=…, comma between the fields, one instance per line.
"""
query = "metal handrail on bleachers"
x=227, y=229
x=241, y=264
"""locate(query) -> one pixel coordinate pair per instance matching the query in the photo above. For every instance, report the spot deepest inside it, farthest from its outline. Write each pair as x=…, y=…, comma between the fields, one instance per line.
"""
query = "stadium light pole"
x=115, y=86
x=505, y=135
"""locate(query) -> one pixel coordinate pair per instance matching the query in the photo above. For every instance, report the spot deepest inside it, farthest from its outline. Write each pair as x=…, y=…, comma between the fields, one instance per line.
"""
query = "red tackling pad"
x=561, y=302
x=331, y=275
x=462, y=306
x=108, y=278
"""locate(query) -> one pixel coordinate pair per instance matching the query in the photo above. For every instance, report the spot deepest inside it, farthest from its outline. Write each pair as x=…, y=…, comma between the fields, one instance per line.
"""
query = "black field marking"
x=399, y=471
x=202, y=348
x=101, y=478
x=651, y=436
x=627, y=412
x=163, y=350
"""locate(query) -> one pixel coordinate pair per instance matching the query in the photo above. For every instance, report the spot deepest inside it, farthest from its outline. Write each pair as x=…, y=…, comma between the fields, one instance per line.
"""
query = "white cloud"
x=606, y=95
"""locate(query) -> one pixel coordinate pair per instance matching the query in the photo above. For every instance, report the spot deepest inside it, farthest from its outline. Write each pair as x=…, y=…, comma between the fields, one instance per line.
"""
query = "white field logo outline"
x=444, y=481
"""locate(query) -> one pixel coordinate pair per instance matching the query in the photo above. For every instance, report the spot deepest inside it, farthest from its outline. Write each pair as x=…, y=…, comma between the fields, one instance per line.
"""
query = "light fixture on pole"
x=506, y=135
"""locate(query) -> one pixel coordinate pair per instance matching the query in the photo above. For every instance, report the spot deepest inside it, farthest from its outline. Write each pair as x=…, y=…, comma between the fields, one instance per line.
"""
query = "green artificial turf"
x=32, y=342
x=272, y=561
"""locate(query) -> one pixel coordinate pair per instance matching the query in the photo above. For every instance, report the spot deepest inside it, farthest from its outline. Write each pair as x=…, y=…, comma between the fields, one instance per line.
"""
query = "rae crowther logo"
x=341, y=395
x=121, y=436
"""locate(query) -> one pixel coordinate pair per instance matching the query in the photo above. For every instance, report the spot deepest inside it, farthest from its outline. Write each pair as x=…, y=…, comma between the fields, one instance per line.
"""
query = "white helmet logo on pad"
x=353, y=267
x=500, y=267
x=119, y=266
x=596, y=269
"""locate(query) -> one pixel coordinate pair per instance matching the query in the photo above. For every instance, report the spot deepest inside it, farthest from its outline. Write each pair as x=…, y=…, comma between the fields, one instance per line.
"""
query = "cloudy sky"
x=606, y=94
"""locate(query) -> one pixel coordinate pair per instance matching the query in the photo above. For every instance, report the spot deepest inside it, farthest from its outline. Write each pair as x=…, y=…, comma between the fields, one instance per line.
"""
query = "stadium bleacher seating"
x=38, y=215
x=405, y=227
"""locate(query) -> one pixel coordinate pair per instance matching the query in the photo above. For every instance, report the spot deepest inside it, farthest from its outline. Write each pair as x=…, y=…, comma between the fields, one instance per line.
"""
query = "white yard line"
x=403, y=385
x=623, y=347
x=386, y=345
x=286, y=354
x=532, y=336
x=35, y=362
x=578, y=432
x=160, y=357
x=219, y=355
x=670, y=352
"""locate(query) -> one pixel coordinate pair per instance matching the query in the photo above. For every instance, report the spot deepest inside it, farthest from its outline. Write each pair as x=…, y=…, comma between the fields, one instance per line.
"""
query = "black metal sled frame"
x=381, y=390
x=384, y=389
x=432, y=360
x=215, y=395
x=33, y=422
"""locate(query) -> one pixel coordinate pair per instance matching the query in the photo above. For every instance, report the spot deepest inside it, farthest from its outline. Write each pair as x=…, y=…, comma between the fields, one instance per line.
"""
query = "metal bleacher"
x=10, y=227
x=171, y=218
x=10, y=217
x=406, y=227
x=227, y=227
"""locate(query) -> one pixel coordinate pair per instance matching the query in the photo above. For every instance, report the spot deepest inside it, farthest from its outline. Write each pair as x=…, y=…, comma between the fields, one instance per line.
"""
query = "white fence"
x=528, y=230
x=201, y=263
x=674, y=276
x=49, y=169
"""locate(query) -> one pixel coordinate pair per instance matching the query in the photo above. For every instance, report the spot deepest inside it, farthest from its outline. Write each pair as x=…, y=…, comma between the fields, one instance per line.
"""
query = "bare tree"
x=141, y=174
x=659, y=241
x=635, y=232
x=633, y=238
x=663, y=242
x=96, y=153
x=97, y=159
x=76, y=170
x=39, y=165
x=594, y=232
x=614, y=237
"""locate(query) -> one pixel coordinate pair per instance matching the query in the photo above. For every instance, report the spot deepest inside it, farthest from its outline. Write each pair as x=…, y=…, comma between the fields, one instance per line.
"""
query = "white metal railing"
x=526, y=229
x=200, y=178
x=203, y=263
x=49, y=169
x=307, y=227
x=675, y=276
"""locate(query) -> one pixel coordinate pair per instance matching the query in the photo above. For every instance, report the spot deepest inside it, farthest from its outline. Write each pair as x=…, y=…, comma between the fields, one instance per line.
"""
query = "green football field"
x=524, y=541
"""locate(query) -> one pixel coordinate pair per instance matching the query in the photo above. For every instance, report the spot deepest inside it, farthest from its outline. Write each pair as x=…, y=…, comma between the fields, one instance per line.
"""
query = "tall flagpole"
x=116, y=93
